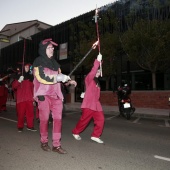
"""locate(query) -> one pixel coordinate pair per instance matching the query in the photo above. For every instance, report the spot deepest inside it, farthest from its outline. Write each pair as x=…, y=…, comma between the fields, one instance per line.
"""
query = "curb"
x=109, y=111
x=141, y=115
x=116, y=113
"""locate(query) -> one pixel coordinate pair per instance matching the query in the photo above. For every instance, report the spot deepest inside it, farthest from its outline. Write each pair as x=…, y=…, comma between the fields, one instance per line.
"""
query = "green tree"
x=147, y=43
x=109, y=43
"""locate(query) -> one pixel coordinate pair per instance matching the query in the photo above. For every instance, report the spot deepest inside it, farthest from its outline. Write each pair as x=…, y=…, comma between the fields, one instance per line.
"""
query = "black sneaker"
x=20, y=129
x=32, y=129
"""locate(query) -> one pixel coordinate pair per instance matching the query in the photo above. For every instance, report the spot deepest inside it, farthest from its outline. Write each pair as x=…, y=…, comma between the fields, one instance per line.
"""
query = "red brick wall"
x=141, y=99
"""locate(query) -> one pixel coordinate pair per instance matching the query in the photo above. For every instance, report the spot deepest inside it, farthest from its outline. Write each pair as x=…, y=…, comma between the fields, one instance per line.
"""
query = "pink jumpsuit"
x=52, y=101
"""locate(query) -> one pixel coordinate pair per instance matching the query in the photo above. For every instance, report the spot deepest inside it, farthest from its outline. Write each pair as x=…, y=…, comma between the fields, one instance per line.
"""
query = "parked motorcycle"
x=124, y=102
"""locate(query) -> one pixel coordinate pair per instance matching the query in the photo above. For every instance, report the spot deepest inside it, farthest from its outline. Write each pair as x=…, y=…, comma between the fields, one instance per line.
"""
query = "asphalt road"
x=138, y=144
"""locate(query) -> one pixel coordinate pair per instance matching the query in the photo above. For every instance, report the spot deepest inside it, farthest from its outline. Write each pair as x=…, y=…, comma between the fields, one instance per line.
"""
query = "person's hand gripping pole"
x=99, y=58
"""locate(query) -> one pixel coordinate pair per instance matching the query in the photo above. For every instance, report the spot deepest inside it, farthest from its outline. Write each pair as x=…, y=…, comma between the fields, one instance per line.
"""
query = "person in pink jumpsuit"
x=23, y=86
x=91, y=106
x=48, y=94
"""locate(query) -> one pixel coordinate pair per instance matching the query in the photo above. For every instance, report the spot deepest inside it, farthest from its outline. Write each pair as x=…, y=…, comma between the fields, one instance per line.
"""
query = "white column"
x=72, y=90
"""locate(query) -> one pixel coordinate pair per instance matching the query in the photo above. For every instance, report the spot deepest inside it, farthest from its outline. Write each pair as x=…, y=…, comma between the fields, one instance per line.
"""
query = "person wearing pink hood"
x=48, y=94
x=91, y=106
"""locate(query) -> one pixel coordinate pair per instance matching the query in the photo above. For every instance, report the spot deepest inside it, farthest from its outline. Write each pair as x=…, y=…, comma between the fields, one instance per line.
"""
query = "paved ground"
x=143, y=112
x=113, y=110
x=129, y=145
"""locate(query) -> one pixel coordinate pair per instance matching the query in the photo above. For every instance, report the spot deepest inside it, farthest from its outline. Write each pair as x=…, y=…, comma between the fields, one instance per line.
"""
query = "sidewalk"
x=113, y=110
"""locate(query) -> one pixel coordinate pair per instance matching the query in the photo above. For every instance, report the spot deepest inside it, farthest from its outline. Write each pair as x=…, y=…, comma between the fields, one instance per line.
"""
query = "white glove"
x=6, y=85
x=62, y=77
x=82, y=95
x=0, y=79
x=21, y=79
x=66, y=78
x=99, y=57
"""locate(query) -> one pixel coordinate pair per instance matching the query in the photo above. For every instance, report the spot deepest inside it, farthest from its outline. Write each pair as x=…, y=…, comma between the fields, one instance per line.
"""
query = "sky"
x=52, y=12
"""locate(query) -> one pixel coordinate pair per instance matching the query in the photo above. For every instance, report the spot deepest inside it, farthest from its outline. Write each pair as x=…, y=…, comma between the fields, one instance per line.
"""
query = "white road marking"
x=166, y=123
x=8, y=119
x=137, y=120
x=109, y=118
x=163, y=158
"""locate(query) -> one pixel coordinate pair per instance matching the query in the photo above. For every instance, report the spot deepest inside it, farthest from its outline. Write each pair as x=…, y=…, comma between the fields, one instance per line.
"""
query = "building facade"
x=128, y=72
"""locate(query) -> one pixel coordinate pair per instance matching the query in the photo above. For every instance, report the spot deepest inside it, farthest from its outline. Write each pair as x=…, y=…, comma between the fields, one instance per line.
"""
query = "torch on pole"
x=93, y=47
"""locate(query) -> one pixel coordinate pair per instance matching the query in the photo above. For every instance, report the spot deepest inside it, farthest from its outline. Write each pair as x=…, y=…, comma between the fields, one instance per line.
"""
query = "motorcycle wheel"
x=121, y=111
x=127, y=113
x=128, y=116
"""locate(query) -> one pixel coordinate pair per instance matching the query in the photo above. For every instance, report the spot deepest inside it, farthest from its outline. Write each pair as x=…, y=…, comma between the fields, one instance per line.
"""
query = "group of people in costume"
x=44, y=87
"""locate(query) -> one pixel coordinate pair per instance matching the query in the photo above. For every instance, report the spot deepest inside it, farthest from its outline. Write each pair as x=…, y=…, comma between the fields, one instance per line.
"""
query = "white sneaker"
x=98, y=140
x=77, y=137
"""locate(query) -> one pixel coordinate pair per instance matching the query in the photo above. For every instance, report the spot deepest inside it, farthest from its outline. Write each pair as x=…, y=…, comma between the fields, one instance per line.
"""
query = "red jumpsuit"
x=3, y=96
x=91, y=107
x=24, y=102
